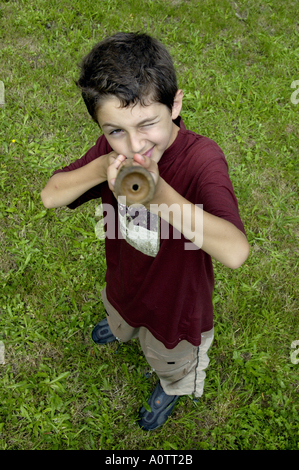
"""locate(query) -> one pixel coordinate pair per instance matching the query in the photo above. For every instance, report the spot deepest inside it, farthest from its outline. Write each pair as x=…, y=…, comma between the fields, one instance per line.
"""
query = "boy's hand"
x=114, y=163
x=148, y=164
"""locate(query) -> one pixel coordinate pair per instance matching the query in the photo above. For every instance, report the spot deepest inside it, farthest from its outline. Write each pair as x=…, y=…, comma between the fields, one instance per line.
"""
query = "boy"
x=158, y=288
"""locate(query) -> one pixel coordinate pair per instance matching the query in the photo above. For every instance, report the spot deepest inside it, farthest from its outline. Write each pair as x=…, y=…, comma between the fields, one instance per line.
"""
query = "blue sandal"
x=161, y=407
x=101, y=334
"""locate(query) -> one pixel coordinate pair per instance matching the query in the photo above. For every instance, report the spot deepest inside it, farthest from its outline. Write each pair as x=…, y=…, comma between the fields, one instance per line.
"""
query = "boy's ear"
x=177, y=104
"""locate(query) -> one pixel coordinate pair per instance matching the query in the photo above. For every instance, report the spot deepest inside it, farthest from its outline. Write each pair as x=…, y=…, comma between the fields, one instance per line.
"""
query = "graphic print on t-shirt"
x=140, y=228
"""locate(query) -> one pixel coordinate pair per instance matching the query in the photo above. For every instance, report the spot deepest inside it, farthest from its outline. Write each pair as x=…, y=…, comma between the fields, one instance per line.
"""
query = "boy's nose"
x=136, y=143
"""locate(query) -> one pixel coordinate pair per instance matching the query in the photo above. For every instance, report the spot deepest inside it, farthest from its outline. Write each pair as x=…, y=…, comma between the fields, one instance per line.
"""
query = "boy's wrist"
x=102, y=164
x=161, y=195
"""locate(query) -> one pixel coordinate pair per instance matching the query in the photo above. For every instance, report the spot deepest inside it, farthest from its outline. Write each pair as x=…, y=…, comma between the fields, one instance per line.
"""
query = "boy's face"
x=147, y=130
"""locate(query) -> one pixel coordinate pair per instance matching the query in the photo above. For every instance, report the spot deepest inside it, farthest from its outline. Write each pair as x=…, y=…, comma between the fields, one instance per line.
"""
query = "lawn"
x=237, y=63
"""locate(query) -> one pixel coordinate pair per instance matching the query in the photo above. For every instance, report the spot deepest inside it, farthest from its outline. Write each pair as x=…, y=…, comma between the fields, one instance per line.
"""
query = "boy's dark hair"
x=134, y=67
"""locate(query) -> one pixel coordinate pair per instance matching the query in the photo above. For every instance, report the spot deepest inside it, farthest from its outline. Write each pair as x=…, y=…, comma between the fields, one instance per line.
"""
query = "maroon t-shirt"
x=169, y=291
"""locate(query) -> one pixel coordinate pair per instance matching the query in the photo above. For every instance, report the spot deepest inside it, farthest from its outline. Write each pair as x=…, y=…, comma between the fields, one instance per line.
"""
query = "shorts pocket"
x=170, y=367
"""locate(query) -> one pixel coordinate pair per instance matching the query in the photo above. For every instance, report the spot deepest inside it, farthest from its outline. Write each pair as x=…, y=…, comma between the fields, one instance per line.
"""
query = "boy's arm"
x=216, y=236
x=65, y=187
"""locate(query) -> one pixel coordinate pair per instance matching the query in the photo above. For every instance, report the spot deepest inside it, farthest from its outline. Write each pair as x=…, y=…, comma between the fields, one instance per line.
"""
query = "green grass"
x=236, y=62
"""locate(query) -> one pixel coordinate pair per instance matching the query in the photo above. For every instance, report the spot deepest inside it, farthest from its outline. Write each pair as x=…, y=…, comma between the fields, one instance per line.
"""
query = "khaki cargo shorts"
x=181, y=370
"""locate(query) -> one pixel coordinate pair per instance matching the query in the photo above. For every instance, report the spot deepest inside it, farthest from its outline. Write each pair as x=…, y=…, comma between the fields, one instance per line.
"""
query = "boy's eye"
x=148, y=125
x=118, y=131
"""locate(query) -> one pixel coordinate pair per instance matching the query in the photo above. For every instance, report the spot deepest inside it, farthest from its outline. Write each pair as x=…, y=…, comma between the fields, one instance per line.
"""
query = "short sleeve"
x=215, y=189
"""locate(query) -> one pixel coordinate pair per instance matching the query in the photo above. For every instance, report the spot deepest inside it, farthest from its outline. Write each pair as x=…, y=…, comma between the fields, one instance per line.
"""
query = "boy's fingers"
x=115, y=163
x=148, y=164
x=144, y=161
x=117, y=160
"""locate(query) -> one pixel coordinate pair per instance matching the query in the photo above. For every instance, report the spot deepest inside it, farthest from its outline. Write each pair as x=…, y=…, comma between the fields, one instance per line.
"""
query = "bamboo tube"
x=135, y=183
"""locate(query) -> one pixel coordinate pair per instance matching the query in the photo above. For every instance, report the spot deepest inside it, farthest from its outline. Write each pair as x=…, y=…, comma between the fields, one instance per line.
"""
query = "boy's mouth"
x=149, y=152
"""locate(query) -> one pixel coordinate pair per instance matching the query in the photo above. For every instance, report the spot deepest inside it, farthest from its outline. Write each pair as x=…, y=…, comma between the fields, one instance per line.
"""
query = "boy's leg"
x=118, y=326
x=182, y=369
x=181, y=372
